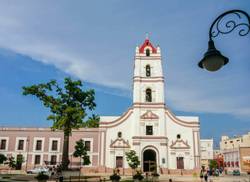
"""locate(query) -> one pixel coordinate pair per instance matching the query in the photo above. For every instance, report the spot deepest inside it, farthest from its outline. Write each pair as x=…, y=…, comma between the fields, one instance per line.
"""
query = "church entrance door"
x=149, y=161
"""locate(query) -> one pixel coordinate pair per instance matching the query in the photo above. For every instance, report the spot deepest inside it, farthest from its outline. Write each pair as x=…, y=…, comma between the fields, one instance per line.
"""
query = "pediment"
x=119, y=143
x=179, y=144
x=149, y=115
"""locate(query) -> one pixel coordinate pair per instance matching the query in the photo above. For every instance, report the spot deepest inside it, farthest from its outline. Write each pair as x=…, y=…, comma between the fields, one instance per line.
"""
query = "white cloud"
x=41, y=41
x=84, y=43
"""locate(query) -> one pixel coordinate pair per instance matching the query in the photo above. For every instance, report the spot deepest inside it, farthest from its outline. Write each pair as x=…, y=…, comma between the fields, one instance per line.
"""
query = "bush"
x=12, y=162
x=3, y=158
x=138, y=176
x=155, y=174
x=213, y=164
x=42, y=176
x=115, y=176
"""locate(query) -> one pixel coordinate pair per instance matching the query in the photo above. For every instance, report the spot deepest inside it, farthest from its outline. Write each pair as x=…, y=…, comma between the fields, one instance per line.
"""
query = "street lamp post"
x=213, y=60
x=27, y=155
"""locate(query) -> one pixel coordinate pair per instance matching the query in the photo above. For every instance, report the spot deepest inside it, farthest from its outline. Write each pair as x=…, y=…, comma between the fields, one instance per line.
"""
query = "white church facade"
x=149, y=127
x=163, y=141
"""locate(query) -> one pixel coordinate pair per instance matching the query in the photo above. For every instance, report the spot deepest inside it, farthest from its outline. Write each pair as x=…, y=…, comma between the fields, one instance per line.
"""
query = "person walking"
x=205, y=176
x=201, y=175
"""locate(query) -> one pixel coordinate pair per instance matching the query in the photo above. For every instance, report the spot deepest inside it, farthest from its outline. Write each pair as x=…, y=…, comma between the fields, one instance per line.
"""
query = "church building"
x=164, y=142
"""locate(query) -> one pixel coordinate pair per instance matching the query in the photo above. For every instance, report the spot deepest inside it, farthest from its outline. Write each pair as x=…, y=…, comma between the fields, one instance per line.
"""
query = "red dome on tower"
x=147, y=43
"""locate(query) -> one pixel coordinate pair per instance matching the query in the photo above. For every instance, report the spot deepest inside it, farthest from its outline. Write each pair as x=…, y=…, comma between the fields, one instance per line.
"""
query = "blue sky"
x=95, y=41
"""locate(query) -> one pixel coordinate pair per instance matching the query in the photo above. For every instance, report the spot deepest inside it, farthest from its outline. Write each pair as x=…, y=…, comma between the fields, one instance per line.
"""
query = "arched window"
x=147, y=52
x=178, y=136
x=148, y=71
x=148, y=95
x=119, y=134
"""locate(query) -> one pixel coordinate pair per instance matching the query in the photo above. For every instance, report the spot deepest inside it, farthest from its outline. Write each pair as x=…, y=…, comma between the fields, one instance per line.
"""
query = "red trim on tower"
x=145, y=44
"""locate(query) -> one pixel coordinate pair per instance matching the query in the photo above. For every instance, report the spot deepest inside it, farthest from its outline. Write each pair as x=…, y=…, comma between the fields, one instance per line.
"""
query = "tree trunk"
x=65, y=155
x=80, y=168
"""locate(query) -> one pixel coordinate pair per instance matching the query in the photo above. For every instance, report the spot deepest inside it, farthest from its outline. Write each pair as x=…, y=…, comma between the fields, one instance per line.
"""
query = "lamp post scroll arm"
x=230, y=25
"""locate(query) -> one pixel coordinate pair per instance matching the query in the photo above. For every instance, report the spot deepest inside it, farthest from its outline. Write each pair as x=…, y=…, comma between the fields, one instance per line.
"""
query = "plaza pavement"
x=210, y=179
x=164, y=178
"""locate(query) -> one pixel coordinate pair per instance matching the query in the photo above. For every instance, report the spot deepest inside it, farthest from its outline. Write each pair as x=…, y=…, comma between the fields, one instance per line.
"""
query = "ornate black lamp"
x=213, y=60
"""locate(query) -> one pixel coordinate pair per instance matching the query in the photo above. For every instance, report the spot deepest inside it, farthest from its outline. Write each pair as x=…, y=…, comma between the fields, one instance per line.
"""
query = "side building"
x=43, y=147
x=236, y=152
x=207, y=153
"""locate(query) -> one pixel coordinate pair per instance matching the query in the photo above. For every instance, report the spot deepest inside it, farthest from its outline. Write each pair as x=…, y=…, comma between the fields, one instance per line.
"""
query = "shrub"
x=155, y=174
x=115, y=176
x=138, y=176
x=3, y=158
x=42, y=176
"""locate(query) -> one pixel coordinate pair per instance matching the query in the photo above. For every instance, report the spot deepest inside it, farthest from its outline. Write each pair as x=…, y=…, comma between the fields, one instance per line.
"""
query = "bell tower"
x=148, y=80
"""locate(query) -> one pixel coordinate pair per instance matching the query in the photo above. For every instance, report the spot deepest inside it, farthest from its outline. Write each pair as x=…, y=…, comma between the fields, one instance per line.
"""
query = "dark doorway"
x=180, y=162
x=149, y=161
x=19, y=161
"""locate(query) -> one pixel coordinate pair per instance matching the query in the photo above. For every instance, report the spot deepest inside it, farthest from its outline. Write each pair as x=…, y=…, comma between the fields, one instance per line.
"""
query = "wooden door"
x=180, y=162
x=119, y=162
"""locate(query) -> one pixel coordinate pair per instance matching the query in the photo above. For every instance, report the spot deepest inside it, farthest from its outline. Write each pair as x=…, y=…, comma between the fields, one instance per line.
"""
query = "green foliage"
x=138, y=175
x=20, y=159
x=12, y=162
x=115, y=176
x=213, y=164
x=132, y=159
x=42, y=176
x=3, y=158
x=155, y=174
x=92, y=122
x=68, y=107
x=81, y=151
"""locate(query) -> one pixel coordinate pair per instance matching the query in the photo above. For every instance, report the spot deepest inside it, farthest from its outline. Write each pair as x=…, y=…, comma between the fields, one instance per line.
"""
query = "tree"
x=15, y=164
x=213, y=164
x=3, y=158
x=81, y=151
x=68, y=107
x=12, y=162
x=92, y=122
x=132, y=159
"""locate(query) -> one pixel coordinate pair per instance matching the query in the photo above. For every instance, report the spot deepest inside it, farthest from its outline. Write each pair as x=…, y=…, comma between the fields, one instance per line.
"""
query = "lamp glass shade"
x=213, y=60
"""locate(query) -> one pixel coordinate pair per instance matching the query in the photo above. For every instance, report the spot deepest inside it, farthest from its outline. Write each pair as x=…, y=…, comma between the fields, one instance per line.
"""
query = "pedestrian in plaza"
x=217, y=172
x=205, y=176
x=61, y=178
x=146, y=176
x=52, y=172
x=201, y=174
